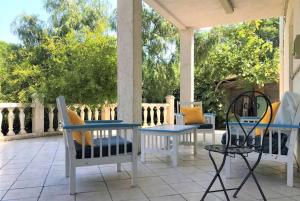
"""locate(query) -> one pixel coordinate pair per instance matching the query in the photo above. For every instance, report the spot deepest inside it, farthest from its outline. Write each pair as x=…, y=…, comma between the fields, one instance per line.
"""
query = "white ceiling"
x=207, y=13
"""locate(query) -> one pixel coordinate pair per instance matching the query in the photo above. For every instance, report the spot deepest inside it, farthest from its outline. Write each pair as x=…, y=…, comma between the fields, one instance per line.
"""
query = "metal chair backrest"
x=188, y=104
x=247, y=132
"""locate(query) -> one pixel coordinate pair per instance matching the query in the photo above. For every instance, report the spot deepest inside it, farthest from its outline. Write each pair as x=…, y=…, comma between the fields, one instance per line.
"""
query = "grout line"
x=49, y=169
x=24, y=169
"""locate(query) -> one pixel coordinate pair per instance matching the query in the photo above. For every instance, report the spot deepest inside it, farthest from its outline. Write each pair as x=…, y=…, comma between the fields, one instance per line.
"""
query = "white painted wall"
x=296, y=31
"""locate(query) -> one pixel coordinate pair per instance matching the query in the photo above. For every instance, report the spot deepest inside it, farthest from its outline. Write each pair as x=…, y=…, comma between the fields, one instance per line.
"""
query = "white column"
x=296, y=31
x=38, y=117
x=187, y=65
x=281, y=57
x=287, y=55
x=129, y=60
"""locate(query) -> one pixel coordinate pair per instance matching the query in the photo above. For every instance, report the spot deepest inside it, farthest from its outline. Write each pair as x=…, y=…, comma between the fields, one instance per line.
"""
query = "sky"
x=10, y=9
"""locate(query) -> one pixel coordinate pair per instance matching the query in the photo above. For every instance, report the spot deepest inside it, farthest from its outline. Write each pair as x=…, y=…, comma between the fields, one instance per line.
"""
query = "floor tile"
x=58, y=198
x=127, y=194
x=168, y=198
x=93, y=196
x=158, y=190
x=22, y=193
x=55, y=190
x=187, y=187
x=28, y=183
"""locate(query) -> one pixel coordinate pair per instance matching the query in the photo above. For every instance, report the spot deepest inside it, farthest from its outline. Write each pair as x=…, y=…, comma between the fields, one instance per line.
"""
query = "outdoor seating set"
x=269, y=136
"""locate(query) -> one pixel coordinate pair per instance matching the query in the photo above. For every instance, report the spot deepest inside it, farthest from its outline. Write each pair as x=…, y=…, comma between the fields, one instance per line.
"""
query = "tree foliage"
x=247, y=51
x=160, y=56
x=71, y=56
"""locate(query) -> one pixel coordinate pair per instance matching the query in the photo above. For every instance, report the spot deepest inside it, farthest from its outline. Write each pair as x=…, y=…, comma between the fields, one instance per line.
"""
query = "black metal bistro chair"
x=241, y=145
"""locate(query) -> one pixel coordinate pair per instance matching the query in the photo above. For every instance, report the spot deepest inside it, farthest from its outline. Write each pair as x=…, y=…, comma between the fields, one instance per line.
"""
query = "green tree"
x=160, y=56
x=71, y=55
x=248, y=52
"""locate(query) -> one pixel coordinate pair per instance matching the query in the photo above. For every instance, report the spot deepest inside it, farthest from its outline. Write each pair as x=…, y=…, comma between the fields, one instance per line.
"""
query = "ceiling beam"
x=165, y=13
x=227, y=5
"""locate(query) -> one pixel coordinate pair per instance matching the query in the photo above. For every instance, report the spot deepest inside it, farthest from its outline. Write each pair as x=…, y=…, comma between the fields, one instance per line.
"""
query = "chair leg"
x=251, y=172
x=213, y=133
x=118, y=167
x=290, y=173
x=134, y=172
x=72, y=179
x=67, y=162
x=215, y=177
x=204, y=138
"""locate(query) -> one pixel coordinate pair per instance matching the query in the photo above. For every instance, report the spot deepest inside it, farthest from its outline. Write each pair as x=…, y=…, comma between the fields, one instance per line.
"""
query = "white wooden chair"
x=273, y=153
x=112, y=143
x=207, y=127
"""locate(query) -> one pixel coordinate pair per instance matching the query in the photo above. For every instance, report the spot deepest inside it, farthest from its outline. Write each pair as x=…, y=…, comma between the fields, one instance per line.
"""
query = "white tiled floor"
x=33, y=169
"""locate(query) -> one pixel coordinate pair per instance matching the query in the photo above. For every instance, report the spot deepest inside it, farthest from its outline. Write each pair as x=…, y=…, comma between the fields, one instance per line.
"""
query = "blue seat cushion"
x=113, y=147
x=284, y=138
x=204, y=126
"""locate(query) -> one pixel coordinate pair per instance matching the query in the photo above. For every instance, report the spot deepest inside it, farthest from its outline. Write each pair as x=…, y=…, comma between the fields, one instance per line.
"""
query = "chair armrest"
x=103, y=121
x=179, y=119
x=101, y=126
x=285, y=126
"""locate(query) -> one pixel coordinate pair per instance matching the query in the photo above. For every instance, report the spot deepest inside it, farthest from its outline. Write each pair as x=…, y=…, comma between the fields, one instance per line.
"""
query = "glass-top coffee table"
x=165, y=139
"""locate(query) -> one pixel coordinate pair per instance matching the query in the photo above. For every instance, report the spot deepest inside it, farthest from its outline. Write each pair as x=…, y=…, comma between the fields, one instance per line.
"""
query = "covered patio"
x=34, y=169
x=189, y=16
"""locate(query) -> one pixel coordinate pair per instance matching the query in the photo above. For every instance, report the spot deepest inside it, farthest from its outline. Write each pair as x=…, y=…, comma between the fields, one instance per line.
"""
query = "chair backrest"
x=62, y=110
x=188, y=104
x=238, y=117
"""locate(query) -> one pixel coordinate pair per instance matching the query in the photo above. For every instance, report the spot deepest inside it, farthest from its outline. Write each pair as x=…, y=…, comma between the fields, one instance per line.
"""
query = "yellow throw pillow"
x=193, y=115
x=266, y=118
x=77, y=135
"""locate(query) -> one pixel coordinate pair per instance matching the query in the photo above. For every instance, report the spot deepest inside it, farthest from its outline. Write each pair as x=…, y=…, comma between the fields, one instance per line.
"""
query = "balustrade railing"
x=34, y=116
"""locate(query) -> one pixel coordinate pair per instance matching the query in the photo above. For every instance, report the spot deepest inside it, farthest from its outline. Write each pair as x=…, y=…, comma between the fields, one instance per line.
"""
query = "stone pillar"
x=296, y=62
x=129, y=60
x=170, y=110
x=38, y=117
x=187, y=65
x=287, y=55
x=281, y=57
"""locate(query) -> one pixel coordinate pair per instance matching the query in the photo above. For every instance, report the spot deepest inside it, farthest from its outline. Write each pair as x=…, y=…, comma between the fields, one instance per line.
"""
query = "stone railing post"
x=38, y=117
x=51, y=117
x=170, y=109
x=22, y=120
x=105, y=113
x=11, y=117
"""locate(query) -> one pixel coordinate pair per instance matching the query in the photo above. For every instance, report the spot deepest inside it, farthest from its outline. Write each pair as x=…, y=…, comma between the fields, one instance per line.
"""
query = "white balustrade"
x=11, y=108
x=51, y=118
x=108, y=112
x=145, y=113
x=82, y=113
x=22, y=120
x=96, y=114
x=11, y=118
x=154, y=107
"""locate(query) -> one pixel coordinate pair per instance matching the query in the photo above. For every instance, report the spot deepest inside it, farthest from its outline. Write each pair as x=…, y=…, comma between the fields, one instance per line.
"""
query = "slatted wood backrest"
x=62, y=112
x=188, y=104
